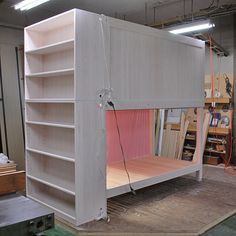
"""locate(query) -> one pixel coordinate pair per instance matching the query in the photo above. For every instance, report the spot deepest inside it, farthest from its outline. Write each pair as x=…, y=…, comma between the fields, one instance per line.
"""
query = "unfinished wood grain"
x=205, y=129
x=12, y=182
x=140, y=169
x=166, y=140
x=182, y=139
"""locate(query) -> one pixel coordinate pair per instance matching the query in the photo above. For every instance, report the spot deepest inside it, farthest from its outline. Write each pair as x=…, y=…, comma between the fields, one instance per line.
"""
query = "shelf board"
x=216, y=142
x=214, y=151
x=51, y=124
x=52, y=207
x=212, y=130
x=51, y=155
x=188, y=138
x=62, y=72
x=51, y=185
x=218, y=100
x=190, y=148
x=49, y=100
x=51, y=48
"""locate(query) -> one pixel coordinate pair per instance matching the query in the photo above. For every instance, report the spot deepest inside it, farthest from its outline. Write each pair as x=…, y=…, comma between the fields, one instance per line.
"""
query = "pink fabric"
x=135, y=134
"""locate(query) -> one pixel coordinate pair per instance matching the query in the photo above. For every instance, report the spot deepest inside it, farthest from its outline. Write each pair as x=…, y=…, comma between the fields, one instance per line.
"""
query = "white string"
x=108, y=79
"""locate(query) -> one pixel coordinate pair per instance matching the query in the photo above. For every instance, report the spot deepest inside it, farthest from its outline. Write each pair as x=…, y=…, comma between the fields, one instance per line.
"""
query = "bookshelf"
x=50, y=104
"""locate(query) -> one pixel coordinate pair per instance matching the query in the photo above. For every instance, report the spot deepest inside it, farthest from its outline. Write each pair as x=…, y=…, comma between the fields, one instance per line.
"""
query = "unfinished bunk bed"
x=76, y=64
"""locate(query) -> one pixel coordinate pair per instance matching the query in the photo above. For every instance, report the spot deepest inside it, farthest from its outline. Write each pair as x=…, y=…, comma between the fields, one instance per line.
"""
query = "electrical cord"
x=110, y=103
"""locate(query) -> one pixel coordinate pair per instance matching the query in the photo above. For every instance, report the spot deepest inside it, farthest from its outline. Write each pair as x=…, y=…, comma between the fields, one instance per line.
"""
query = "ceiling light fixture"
x=28, y=4
x=193, y=27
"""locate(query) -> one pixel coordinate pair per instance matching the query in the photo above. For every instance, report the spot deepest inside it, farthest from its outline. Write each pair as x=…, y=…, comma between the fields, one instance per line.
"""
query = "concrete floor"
x=182, y=205
x=226, y=228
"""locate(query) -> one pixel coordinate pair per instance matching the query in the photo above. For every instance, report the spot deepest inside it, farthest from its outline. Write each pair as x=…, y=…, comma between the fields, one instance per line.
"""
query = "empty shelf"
x=56, y=47
x=51, y=124
x=144, y=172
x=57, y=113
x=51, y=185
x=49, y=100
x=59, y=200
x=50, y=154
x=69, y=71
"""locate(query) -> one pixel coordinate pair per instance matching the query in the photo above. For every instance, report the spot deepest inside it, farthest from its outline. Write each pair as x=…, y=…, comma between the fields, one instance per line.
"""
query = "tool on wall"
x=228, y=85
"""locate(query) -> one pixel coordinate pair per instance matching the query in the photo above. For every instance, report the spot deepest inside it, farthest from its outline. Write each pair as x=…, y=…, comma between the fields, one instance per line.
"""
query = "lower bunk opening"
x=134, y=160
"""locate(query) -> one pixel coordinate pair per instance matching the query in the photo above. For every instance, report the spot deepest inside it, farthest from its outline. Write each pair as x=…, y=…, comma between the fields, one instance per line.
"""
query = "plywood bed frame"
x=74, y=63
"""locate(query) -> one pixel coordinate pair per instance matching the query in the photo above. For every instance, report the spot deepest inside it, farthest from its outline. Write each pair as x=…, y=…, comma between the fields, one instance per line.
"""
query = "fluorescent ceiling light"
x=28, y=4
x=192, y=28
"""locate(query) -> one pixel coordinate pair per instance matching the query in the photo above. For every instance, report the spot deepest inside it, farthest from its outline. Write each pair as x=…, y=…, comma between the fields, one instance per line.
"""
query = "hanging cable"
x=110, y=103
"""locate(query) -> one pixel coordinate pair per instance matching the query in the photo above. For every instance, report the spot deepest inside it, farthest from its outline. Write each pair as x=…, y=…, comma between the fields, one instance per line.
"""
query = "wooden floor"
x=141, y=169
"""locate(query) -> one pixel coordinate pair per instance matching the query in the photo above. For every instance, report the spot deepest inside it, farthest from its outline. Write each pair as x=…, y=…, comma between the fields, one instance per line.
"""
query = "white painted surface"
x=131, y=59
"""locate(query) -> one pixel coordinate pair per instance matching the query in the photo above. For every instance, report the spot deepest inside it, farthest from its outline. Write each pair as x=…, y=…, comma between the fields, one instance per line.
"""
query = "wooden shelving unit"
x=50, y=127
x=71, y=61
x=217, y=149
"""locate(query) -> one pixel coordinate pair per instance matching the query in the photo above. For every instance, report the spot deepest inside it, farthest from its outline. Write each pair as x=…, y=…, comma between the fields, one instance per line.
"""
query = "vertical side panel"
x=91, y=162
x=89, y=119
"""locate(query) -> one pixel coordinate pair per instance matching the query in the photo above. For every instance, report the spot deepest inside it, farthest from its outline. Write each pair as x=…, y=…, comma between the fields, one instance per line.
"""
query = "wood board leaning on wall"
x=175, y=134
x=216, y=148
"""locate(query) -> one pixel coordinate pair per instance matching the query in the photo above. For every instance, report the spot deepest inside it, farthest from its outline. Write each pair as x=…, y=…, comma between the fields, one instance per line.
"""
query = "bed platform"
x=75, y=63
x=144, y=172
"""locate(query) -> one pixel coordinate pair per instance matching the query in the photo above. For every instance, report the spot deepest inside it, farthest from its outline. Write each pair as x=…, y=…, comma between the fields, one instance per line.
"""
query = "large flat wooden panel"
x=90, y=163
x=141, y=169
x=144, y=172
x=151, y=66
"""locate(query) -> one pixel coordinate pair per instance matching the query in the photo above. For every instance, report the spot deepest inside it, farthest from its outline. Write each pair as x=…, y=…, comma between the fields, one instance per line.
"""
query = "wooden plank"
x=182, y=139
x=205, y=129
x=218, y=100
x=212, y=130
x=165, y=142
x=174, y=135
x=12, y=182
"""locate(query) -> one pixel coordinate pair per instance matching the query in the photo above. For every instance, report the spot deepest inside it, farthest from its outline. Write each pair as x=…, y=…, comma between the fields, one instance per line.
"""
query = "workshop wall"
x=11, y=127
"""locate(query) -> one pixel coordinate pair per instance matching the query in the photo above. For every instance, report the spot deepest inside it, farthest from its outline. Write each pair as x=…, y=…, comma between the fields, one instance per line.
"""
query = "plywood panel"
x=145, y=65
x=90, y=162
x=141, y=169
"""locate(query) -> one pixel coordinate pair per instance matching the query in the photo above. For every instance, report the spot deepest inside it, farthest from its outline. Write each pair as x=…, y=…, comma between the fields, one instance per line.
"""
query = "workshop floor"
x=182, y=205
